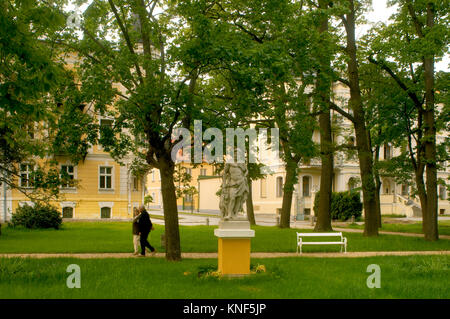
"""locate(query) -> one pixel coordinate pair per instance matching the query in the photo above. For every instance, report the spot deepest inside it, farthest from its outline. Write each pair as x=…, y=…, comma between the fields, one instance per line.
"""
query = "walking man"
x=145, y=226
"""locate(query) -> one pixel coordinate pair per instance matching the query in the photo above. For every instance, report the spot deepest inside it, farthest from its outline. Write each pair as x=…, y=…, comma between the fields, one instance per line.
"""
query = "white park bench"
x=300, y=242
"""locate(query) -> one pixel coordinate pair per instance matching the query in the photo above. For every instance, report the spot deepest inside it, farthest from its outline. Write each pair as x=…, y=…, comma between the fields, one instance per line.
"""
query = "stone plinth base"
x=234, y=247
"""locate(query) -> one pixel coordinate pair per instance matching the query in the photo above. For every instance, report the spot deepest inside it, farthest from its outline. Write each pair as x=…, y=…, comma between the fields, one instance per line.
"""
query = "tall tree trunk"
x=377, y=185
x=172, y=233
x=249, y=203
x=430, y=226
x=326, y=145
x=288, y=190
x=362, y=138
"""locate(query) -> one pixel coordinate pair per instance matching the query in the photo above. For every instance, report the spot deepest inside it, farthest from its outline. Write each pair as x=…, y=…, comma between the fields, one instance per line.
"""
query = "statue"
x=234, y=190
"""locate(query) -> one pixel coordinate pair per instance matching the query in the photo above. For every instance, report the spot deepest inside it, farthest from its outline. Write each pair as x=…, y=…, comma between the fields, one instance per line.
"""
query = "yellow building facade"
x=104, y=189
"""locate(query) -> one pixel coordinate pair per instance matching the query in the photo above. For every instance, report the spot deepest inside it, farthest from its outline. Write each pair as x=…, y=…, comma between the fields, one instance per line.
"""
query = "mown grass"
x=285, y=278
x=444, y=227
x=92, y=237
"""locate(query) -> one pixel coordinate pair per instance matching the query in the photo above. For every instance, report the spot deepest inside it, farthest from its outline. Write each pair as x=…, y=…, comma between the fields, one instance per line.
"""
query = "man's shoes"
x=140, y=255
x=135, y=253
x=153, y=252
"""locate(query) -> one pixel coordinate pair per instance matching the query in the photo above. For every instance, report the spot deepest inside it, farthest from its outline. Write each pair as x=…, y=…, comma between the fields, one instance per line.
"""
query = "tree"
x=417, y=37
x=272, y=56
x=37, y=96
x=139, y=68
x=349, y=11
x=322, y=94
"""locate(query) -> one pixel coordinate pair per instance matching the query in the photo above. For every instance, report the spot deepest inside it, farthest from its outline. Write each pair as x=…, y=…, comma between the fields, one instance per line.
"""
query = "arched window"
x=306, y=185
x=67, y=212
x=279, y=186
x=352, y=183
x=105, y=212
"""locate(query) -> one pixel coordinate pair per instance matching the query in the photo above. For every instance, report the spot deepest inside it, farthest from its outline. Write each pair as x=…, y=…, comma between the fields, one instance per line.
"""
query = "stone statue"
x=234, y=190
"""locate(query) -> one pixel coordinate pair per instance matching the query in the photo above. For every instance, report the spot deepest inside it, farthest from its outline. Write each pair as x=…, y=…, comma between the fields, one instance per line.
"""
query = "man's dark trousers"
x=145, y=243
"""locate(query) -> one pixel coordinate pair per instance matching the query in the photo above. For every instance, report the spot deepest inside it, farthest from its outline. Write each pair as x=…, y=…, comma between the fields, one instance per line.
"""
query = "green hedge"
x=37, y=216
x=344, y=205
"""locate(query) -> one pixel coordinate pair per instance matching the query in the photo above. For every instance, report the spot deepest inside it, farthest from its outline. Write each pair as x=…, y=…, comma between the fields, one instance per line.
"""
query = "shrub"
x=344, y=205
x=37, y=216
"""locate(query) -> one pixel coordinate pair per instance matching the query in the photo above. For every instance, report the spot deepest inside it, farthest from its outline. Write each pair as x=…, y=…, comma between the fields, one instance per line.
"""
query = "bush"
x=344, y=205
x=39, y=216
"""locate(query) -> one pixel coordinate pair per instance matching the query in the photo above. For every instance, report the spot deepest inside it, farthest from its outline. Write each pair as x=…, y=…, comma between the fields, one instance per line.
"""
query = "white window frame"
x=109, y=205
x=28, y=175
x=112, y=178
x=74, y=175
x=277, y=193
x=68, y=204
x=135, y=182
x=310, y=186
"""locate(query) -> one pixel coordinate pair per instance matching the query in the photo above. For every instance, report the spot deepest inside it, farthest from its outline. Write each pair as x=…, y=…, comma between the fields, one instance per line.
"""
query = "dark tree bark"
x=249, y=203
x=172, y=234
x=377, y=186
x=362, y=138
x=288, y=190
x=326, y=144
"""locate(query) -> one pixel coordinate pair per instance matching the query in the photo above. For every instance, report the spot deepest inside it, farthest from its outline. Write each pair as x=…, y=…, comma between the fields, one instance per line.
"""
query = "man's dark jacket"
x=144, y=222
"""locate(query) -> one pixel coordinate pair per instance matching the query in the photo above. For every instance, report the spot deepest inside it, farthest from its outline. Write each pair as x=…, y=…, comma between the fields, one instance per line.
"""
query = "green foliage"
x=344, y=205
x=37, y=216
x=148, y=199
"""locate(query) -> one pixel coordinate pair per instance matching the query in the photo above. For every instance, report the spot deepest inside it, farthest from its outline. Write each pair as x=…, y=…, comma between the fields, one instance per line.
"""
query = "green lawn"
x=83, y=237
x=444, y=227
x=286, y=278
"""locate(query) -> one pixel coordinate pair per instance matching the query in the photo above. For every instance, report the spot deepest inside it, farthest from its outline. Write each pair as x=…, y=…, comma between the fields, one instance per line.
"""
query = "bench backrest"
x=319, y=234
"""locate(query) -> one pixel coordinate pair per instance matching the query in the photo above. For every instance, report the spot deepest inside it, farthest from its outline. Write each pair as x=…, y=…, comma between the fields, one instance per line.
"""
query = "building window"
x=279, y=186
x=387, y=151
x=203, y=172
x=188, y=171
x=306, y=183
x=351, y=141
x=105, y=177
x=135, y=183
x=307, y=211
x=263, y=186
x=352, y=183
x=442, y=192
x=405, y=190
x=153, y=175
x=67, y=212
x=25, y=173
x=188, y=198
x=67, y=176
x=105, y=212
x=106, y=123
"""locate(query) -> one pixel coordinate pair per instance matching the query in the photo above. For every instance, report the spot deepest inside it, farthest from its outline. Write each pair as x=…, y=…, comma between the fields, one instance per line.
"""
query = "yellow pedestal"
x=234, y=247
x=234, y=256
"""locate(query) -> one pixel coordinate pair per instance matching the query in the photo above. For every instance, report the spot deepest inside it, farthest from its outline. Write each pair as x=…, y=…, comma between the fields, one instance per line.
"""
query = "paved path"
x=214, y=255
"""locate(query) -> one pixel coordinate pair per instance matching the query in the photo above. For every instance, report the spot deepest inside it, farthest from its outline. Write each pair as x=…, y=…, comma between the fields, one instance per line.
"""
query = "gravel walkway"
x=253, y=255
